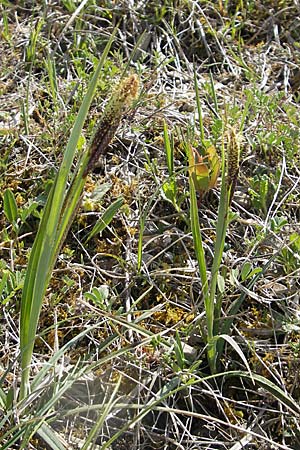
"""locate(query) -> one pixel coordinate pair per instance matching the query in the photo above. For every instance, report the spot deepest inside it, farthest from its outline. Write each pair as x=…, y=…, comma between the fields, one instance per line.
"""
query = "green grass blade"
x=50, y=233
x=140, y=243
x=14, y=438
x=106, y=218
x=3, y=399
x=102, y=417
x=199, y=109
x=271, y=387
x=168, y=389
x=200, y=255
x=236, y=347
x=50, y=437
x=221, y=227
x=169, y=150
x=234, y=308
x=51, y=69
x=212, y=84
x=197, y=238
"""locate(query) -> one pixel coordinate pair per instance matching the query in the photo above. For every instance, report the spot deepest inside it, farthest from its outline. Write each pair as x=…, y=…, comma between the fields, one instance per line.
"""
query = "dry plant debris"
x=120, y=357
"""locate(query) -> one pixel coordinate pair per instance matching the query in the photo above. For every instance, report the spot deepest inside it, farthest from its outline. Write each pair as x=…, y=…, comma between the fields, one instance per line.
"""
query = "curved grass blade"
x=102, y=417
x=106, y=218
x=48, y=239
x=272, y=388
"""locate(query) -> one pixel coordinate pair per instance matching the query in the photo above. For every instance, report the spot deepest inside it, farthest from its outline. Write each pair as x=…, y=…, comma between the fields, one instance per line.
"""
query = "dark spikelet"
x=121, y=98
x=233, y=162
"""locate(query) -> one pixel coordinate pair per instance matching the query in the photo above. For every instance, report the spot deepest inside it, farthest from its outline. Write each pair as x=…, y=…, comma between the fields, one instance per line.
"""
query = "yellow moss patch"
x=234, y=416
x=172, y=315
x=121, y=188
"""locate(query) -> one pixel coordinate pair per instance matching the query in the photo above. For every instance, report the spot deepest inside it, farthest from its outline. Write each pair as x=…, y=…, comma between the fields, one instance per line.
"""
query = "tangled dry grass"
x=120, y=357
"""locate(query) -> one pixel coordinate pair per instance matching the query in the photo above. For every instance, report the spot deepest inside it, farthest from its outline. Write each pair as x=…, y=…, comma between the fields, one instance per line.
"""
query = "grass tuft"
x=149, y=239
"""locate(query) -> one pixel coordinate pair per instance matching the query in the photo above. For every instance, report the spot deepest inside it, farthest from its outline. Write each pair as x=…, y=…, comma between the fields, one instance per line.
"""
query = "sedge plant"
x=204, y=167
x=62, y=204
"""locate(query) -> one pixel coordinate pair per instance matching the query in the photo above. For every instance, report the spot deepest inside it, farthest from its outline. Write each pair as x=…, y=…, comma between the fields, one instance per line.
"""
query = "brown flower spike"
x=120, y=100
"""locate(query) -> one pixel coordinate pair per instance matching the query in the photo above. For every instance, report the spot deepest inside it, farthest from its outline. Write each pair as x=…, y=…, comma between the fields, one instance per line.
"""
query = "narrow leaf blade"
x=107, y=217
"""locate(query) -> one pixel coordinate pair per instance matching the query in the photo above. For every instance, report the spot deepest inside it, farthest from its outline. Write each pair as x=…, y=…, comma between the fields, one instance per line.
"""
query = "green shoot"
x=61, y=207
x=106, y=218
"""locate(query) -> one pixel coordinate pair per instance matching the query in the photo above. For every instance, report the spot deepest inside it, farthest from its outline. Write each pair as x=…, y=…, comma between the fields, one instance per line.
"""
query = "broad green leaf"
x=221, y=283
x=100, y=191
x=98, y=295
x=246, y=269
x=295, y=241
x=169, y=190
x=10, y=206
x=214, y=166
x=198, y=170
x=248, y=272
